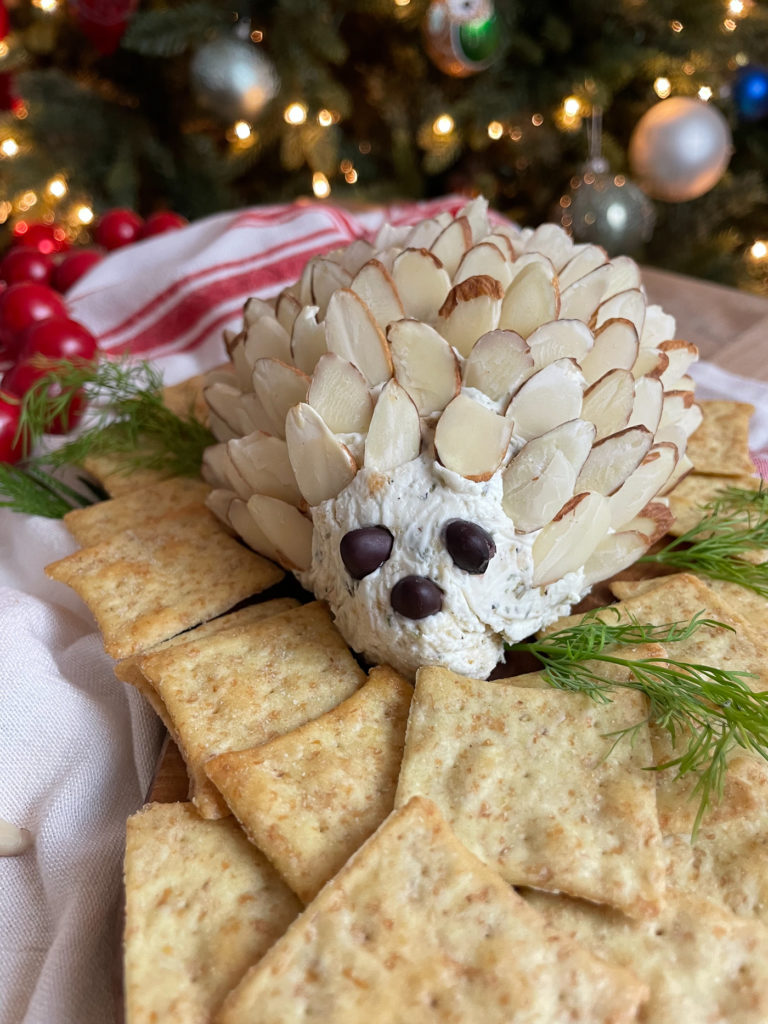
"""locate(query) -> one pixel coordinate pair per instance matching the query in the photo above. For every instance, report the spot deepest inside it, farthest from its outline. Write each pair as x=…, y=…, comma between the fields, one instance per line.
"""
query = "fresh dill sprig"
x=734, y=523
x=711, y=710
x=34, y=491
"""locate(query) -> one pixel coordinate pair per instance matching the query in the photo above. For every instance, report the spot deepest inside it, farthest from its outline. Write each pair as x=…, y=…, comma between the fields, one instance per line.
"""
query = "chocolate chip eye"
x=469, y=545
x=364, y=550
x=416, y=597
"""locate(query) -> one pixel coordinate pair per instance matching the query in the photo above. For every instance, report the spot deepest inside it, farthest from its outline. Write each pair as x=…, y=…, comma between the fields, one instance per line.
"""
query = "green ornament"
x=462, y=37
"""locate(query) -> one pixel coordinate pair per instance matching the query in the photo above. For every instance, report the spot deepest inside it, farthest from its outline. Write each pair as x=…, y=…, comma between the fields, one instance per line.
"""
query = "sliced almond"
x=286, y=530
x=262, y=462
x=392, y=236
x=584, y=260
x=352, y=333
x=422, y=283
x=426, y=232
x=580, y=300
x=548, y=398
x=650, y=362
x=354, y=255
x=229, y=338
x=659, y=326
x=625, y=274
x=551, y=241
x=682, y=355
x=566, y=543
x=643, y=485
x=13, y=840
x=530, y=301
x=246, y=526
x=266, y=338
x=675, y=434
x=425, y=365
x=323, y=466
x=451, y=244
x=683, y=467
x=304, y=284
x=470, y=439
x=215, y=467
x=339, y=392
x=476, y=212
x=278, y=387
x=287, y=309
x=498, y=365
x=629, y=305
x=227, y=418
x=307, y=339
x=608, y=403
x=691, y=418
x=240, y=364
x=485, y=258
x=527, y=258
x=615, y=347
x=387, y=257
x=517, y=236
x=394, y=436
x=219, y=501
x=470, y=310
x=646, y=410
x=503, y=242
x=254, y=309
x=613, y=459
x=326, y=277
x=374, y=284
x=674, y=405
x=653, y=521
x=540, y=478
x=560, y=339
x=613, y=554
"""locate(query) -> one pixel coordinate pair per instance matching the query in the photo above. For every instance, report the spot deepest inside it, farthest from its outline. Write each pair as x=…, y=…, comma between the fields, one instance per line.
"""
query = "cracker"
x=720, y=444
x=202, y=905
x=118, y=475
x=248, y=684
x=310, y=798
x=702, y=964
x=138, y=506
x=697, y=489
x=151, y=582
x=186, y=398
x=534, y=784
x=414, y=928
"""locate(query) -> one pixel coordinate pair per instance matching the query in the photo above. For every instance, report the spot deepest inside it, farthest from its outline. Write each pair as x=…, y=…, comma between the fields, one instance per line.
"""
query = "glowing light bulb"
x=495, y=129
x=759, y=250
x=4, y=48
x=676, y=26
x=84, y=214
x=351, y=176
x=242, y=130
x=662, y=87
x=295, y=113
x=443, y=125
x=729, y=25
x=57, y=187
x=9, y=147
x=324, y=118
x=705, y=93
x=537, y=120
x=320, y=185
x=257, y=35
x=49, y=6
x=572, y=106
x=736, y=7
x=402, y=3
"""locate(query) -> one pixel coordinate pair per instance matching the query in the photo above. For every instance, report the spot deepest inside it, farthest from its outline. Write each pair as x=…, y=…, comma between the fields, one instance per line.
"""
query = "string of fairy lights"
x=61, y=202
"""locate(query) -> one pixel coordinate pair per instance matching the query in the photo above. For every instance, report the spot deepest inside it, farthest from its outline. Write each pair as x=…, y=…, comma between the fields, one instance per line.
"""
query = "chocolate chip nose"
x=416, y=597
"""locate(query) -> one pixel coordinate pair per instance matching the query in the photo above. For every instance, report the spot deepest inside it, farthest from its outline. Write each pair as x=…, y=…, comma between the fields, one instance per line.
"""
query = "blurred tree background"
x=555, y=110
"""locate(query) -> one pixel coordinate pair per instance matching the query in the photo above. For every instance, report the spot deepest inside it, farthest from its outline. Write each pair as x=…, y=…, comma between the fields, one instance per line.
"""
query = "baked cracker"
x=248, y=684
x=534, y=783
x=310, y=798
x=153, y=581
x=201, y=906
x=695, y=490
x=720, y=444
x=414, y=928
x=118, y=474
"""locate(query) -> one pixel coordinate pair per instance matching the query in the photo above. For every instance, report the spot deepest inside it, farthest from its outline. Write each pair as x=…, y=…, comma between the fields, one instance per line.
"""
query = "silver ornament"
x=231, y=78
x=680, y=149
x=607, y=209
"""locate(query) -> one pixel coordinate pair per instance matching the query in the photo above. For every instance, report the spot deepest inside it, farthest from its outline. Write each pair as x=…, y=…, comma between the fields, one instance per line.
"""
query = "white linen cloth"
x=77, y=747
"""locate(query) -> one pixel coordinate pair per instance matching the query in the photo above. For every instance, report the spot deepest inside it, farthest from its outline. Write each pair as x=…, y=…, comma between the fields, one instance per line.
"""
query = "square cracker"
x=534, y=783
x=414, y=928
x=151, y=582
x=702, y=964
x=128, y=670
x=138, y=506
x=310, y=798
x=117, y=475
x=248, y=684
x=201, y=906
x=697, y=489
x=721, y=443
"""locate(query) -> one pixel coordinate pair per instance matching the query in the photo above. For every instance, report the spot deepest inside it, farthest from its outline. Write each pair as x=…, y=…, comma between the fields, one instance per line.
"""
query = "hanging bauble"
x=232, y=78
x=680, y=149
x=750, y=92
x=103, y=22
x=461, y=37
x=607, y=209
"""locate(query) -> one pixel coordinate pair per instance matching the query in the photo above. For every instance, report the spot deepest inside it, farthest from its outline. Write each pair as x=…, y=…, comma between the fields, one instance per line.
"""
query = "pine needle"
x=711, y=710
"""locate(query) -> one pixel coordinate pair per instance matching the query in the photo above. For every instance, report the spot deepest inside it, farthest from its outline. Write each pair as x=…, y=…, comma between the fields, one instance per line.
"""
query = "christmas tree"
x=200, y=105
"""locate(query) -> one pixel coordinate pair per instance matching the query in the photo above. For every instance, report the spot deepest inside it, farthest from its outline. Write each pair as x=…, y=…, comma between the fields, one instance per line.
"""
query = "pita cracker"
x=533, y=783
x=246, y=685
x=202, y=905
x=702, y=964
x=118, y=475
x=697, y=489
x=720, y=444
x=151, y=582
x=310, y=798
x=139, y=506
x=414, y=928
x=186, y=398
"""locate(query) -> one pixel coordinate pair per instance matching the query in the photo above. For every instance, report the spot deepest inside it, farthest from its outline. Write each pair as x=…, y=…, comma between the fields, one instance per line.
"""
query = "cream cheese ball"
x=452, y=432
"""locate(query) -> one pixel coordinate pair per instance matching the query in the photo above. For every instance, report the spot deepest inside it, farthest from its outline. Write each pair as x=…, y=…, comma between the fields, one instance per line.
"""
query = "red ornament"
x=22, y=305
x=117, y=228
x=9, y=98
x=103, y=21
x=11, y=449
x=73, y=266
x=58, y=338
x=47, y=238
x=159, y=223
x=23, y=264
x=20, y=378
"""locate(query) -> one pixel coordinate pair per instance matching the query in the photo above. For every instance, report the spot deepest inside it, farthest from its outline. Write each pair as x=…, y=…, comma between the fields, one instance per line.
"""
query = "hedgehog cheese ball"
x=452, y=433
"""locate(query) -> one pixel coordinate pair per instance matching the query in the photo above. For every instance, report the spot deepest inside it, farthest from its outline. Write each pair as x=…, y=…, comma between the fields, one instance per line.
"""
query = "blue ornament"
x=750, y=92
